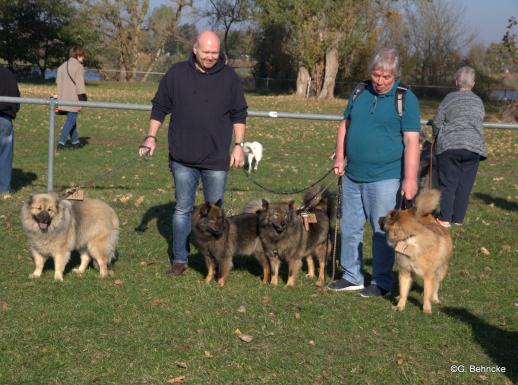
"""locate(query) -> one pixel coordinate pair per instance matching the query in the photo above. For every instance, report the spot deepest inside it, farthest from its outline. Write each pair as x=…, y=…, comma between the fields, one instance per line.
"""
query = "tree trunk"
x=331, y=70
x=303, y=80
x=152, y=64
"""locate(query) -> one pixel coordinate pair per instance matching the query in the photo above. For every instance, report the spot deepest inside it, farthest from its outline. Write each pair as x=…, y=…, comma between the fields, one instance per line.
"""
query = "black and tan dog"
x=422, y=247
x=220, y=238
x=285, y=235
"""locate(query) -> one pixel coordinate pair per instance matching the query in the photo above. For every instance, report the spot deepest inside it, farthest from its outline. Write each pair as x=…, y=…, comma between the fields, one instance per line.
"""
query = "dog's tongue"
x=43, y=225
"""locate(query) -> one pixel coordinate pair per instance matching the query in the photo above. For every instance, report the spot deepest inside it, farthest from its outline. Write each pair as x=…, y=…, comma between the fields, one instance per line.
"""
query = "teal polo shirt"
x=374, y=141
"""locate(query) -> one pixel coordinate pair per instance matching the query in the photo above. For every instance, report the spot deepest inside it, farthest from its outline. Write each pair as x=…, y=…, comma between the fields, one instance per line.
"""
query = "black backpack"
x=399, y=100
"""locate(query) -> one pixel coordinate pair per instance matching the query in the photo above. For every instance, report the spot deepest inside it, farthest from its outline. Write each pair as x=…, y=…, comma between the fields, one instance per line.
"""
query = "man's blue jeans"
x=186, y=183
x=69, y=128
x=6, y=153
x=361, y=202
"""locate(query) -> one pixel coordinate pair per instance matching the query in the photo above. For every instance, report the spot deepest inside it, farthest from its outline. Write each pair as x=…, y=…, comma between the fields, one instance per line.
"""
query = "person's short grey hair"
x=387, y=59
x=465, y=77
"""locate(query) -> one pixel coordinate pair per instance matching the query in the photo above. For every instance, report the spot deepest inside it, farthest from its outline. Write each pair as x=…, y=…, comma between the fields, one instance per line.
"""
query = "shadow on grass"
x=21, y=179
x=501, y=346
x=499, y=202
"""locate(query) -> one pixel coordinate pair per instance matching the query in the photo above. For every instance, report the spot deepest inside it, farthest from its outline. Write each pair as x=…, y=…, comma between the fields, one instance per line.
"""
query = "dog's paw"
x=398, y=308
x=77, y=270
x=310, y=275
x=34, y=275
x=58, y=277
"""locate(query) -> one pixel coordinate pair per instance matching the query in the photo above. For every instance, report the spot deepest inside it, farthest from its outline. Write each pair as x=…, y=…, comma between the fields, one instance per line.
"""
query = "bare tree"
x=121, y=24
x=163, y=25
x=436, y=37
x=227, y=13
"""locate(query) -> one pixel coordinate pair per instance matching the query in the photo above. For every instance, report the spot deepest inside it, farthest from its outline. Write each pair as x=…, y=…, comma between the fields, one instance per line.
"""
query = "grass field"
x=141, y=327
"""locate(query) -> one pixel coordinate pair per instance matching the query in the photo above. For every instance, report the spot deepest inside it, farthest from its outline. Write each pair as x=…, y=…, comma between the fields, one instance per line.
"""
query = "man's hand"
x=409, y=188
x=339, y=167
x=237, y=158
x=148, y=147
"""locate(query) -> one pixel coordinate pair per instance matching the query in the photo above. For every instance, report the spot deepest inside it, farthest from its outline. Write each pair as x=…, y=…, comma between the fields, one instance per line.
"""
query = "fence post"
x=52, y=118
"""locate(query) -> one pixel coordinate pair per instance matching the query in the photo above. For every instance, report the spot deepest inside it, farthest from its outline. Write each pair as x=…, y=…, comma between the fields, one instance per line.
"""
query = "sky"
x=487, y=19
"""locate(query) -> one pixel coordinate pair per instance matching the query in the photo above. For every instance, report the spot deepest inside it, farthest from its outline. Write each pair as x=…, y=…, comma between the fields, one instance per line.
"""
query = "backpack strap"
x=399, y=100
x=360, y=87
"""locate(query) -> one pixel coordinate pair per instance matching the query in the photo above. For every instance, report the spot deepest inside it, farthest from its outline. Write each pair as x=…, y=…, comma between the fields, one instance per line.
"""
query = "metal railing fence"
x=53, y=103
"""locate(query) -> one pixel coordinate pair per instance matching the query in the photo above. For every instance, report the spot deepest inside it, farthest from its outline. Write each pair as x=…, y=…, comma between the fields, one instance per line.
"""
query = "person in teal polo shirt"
x=381, y=145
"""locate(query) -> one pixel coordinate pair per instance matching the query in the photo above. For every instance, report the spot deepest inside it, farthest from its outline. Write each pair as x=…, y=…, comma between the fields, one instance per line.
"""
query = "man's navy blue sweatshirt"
x=8, y=87
x=203, y=108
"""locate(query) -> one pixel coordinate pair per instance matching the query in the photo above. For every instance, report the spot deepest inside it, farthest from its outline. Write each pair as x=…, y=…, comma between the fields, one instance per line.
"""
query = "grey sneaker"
x=374, y=291
x=343, y=285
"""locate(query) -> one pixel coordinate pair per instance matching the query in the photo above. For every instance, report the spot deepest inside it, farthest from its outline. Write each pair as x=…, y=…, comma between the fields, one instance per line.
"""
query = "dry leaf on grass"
x=399, y=359
x=245, y=337
x=484, y=251
x=241, y=309
x=181, y=364
x=5, y=306
x=176, y=380
x=312, y=342
x=266, y=300
x=297, y=315
x=208, y=354
x=139, y=200
x=117, y=282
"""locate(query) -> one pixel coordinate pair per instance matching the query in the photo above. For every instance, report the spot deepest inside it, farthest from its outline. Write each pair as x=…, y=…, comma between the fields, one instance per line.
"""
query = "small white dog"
x=254, y=154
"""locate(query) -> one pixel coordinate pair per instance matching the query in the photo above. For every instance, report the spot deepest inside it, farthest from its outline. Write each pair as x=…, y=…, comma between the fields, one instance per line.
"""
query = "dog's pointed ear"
x=204, y=210
x=394, y=215
x=265, y=204
x=219, y=202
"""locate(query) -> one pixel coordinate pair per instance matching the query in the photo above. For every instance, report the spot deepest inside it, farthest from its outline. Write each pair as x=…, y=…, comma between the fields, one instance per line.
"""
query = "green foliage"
x=36, y=31
x=144, y=328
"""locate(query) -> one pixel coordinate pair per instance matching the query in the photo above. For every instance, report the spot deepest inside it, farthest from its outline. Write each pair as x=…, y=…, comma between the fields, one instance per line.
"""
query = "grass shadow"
x=501, y=346
x=21, y=179
x=163, y=216
x=499, y=202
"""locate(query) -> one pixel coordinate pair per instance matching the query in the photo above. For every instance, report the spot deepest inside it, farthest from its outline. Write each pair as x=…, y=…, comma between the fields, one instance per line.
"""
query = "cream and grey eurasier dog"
x=55, y=227
x=422, y=247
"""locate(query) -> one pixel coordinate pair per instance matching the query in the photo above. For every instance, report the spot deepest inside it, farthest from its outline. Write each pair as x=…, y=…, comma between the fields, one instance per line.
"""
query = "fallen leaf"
x=399, y=359
x=241, y=309
x=139, y=200
x=506, y=248
x=176, y=380
x=28, y=330
x=237, y=331
x=297, y=315
x=117, y=320
x=312, y=342
x=147, y=263
x=157, y=301
x=245, y=337
x=181, y=364
x=117, y=282
x=208, y=354
x=266, y=300
x=5, y=306
x=484, y=251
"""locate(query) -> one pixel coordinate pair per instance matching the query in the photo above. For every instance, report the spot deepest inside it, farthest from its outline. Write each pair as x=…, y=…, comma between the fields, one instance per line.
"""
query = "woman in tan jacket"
x=71, y=86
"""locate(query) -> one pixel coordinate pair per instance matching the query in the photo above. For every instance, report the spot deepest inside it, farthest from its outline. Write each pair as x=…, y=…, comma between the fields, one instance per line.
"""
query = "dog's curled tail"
x=253, y=207
x=427, y=202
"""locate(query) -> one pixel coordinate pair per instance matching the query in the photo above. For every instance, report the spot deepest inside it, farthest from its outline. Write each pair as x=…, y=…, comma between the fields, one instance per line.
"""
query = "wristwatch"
x=240, y=144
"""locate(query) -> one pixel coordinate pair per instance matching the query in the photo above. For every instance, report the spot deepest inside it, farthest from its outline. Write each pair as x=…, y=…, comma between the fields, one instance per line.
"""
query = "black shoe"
x=177, y=269
x=375, y=291
x=343, y=285
x=60, y=147
x=76, y=146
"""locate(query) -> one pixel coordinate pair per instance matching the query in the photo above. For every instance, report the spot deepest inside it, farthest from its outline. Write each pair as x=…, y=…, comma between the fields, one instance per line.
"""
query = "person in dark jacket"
x=207, y=105
x=8, y=87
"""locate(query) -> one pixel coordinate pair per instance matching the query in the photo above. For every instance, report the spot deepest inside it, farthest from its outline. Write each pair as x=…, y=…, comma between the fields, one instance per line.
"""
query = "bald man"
x=207, y=105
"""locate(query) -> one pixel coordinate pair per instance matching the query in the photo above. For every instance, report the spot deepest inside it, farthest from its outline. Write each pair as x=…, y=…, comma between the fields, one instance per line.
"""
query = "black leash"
x=287, y=192
x=337, y=224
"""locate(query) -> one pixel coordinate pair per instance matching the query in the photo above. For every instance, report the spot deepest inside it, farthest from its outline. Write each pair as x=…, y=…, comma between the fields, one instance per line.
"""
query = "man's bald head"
x=206, y=50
